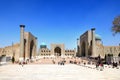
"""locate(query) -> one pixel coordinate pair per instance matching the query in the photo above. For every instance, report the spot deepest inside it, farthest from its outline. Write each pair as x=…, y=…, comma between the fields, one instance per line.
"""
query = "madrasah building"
x=27, y=48
x=88, y=45
x=57, y=50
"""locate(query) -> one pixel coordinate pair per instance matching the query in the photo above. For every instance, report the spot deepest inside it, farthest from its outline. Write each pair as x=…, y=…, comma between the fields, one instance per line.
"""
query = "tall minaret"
x=21, y=42
x=36, y=54
x=78, y=54
x=93, y=43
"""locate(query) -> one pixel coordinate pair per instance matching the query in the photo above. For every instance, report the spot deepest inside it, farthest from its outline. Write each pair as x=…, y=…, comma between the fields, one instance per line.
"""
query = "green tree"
x=116, y=25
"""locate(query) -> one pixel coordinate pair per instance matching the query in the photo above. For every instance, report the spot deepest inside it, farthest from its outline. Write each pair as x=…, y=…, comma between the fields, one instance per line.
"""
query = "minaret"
x=36, y=54
x=21, y=42
x=77, y=47
x=93, y=42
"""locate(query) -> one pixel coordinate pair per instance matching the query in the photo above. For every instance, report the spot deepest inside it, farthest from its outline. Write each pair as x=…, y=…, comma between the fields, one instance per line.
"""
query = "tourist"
x=84, y=63
x=113, y=64
x=13, y=59
x=101, y=66
x=97, y=65
x=53, y=61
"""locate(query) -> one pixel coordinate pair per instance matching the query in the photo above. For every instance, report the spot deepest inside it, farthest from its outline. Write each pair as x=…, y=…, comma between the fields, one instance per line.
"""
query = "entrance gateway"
x=57, y=51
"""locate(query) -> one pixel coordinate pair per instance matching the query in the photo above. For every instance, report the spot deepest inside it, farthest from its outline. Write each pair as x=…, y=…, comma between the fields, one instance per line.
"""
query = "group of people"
x=99, y=66
x=115, y=64
x=61, y=62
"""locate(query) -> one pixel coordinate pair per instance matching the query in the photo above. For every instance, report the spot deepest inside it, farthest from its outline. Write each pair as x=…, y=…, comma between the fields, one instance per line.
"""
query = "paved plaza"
x=56, y=72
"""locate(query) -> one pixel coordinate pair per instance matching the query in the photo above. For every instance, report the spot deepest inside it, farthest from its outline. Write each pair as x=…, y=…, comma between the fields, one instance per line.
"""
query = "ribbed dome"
x=97, y=37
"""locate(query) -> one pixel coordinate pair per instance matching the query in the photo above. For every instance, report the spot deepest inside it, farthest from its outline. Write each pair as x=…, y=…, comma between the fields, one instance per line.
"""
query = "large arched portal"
x=24, y=55
x=83, y=49
x=31, y=48
x=90, y=49
x=57, y=51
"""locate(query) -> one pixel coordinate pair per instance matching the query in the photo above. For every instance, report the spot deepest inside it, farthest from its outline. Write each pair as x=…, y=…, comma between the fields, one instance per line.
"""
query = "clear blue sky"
x=58, y=21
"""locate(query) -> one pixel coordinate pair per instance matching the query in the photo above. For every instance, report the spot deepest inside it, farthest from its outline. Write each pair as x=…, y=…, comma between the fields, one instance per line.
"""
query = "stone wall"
x=115, y=50
x=10, y=51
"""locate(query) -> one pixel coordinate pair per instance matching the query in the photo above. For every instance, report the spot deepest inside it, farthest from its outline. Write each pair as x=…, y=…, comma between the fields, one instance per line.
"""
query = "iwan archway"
x=57, y=51
x=83, y=48
x=31, y=49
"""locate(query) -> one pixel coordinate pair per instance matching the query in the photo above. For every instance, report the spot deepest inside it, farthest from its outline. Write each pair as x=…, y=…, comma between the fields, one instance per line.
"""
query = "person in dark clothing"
x=13, y=59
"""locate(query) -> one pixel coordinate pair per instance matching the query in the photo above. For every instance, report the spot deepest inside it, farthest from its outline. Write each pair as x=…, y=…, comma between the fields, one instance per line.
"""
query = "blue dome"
x=43, y=43
x=97, y=37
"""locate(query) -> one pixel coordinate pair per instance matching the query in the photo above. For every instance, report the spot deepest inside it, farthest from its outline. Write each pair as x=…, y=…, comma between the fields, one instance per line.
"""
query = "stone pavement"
x=56, y=72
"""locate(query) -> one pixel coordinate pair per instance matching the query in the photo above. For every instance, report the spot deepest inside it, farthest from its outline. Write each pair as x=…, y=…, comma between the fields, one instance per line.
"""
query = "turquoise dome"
x=97, y=37
x=43, y=43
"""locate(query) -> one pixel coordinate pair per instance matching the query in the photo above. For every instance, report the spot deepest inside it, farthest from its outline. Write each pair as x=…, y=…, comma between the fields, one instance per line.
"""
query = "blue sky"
x=58, y=21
